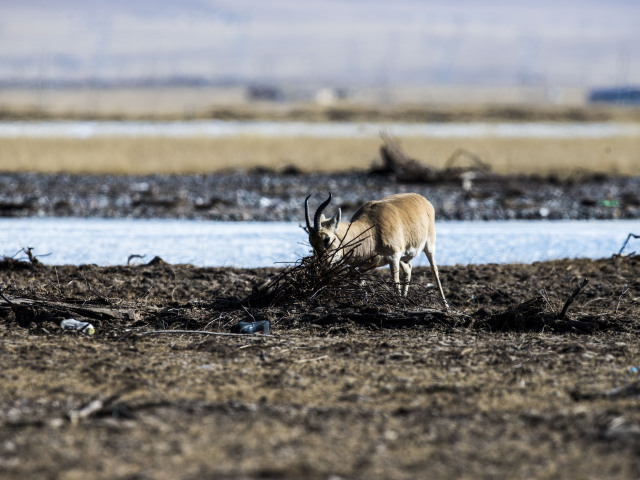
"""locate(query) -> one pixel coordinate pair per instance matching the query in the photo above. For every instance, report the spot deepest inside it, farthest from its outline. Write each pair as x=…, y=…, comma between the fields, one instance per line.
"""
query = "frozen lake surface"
x=261, y=244
x=222, y=128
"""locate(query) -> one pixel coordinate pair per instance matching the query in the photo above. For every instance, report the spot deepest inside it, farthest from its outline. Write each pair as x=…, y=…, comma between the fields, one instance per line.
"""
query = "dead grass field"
x=616, y=155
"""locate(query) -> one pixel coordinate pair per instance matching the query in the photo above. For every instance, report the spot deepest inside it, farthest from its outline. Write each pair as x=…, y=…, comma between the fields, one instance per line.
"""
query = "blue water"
x=259, y=244
x=221, y=128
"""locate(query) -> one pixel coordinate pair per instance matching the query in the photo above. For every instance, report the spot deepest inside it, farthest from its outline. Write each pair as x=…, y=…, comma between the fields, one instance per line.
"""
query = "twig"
x=92, y=288
x=629, y=237
x=545, y=296
x=214, y=320
x=66, y=308
x=94, y=406
x=249, y=313
x=628, y=390
x=572, y=298
x=315, y=359
x=624, y=391
x=55, y=269
x=133, y=256
x=32, y=258
x=620, y=299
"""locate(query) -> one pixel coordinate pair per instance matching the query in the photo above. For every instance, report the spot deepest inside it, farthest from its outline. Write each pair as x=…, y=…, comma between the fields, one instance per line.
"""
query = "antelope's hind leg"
x=429, y=251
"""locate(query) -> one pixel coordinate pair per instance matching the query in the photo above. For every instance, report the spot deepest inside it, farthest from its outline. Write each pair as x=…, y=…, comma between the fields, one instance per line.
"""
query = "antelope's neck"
x=348, y=231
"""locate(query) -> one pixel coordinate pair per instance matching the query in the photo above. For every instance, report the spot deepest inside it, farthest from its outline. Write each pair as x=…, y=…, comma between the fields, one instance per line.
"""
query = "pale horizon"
x=323, y=42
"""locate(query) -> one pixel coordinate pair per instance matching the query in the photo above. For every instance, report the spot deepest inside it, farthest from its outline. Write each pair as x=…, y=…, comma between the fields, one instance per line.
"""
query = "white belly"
x=412, y=252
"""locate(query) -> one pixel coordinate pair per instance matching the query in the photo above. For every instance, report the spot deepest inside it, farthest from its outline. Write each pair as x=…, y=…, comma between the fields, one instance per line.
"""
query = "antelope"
x=390, y=231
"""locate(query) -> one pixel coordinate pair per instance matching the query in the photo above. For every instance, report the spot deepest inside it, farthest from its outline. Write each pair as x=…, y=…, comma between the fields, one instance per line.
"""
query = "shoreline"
x=206, y=243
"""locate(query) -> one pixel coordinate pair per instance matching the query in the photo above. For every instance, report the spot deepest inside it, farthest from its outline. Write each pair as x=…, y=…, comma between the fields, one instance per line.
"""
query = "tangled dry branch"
x=324, y=278
x=624, y=245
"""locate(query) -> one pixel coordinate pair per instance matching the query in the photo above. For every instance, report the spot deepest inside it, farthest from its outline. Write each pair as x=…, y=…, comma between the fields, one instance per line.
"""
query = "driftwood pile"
x=406, y=169
x=537, y=314
x=314, y=280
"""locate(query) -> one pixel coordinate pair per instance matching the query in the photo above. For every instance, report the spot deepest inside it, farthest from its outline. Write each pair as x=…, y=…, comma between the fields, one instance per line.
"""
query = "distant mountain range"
x=330, y=42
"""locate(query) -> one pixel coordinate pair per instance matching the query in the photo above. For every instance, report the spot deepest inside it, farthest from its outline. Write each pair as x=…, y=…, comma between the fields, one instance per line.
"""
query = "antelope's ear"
x=335, y=220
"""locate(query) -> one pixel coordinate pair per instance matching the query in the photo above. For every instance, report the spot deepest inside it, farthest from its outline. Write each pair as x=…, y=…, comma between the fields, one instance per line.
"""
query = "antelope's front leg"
x=406, y=277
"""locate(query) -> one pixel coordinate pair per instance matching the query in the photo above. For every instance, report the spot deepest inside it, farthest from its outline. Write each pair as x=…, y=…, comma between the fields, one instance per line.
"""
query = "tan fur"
x=390, y=231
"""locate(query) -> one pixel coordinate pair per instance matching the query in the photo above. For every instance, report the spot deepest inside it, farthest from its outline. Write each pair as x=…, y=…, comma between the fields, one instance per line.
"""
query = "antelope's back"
x=405, y=219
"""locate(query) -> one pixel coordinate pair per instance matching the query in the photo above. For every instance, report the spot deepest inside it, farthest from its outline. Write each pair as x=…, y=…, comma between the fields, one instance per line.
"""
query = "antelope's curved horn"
x=316, y=218
x=306, y=213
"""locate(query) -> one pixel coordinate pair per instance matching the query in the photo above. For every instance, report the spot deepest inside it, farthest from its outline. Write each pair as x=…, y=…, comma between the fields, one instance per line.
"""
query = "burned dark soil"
x=268, y=195
x=531, y=373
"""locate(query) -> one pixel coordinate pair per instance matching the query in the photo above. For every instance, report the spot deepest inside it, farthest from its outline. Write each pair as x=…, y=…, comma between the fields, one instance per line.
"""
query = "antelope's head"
x=323, y=232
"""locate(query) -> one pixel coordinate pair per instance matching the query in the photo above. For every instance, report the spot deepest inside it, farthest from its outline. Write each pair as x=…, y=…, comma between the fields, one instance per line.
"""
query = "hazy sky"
x=567, y=42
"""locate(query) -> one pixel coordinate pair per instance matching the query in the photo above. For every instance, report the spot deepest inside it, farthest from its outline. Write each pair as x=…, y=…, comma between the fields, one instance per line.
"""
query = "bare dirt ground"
x=349, y=383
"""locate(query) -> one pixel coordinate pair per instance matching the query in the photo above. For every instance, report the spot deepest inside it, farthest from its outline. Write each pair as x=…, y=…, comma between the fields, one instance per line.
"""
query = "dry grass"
x=620, y=155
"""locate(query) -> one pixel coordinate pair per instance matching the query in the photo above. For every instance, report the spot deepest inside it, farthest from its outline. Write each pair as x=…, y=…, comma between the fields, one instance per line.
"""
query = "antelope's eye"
x=326, y=241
